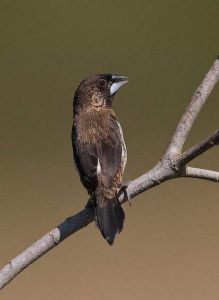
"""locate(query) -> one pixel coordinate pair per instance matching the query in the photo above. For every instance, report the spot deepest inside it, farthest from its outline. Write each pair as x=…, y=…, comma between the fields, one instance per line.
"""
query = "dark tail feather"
x=109, y=217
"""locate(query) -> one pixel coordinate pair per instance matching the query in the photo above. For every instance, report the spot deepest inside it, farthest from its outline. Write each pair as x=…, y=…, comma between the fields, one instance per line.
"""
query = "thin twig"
x=197, y=150
x=201, y=174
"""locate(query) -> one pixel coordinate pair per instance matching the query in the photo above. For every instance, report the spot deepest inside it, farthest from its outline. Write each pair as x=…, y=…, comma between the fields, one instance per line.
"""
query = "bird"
x=99, y=150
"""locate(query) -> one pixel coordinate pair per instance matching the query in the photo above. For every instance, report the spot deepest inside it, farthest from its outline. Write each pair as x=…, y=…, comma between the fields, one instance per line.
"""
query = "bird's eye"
x=102, y=83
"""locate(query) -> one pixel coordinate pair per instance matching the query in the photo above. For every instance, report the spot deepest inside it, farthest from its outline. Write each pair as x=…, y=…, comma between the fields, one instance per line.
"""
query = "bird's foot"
x=123, y=190
x=125, y=183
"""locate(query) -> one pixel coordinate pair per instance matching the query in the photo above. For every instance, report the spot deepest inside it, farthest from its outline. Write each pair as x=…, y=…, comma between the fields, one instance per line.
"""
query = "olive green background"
x=169, y=248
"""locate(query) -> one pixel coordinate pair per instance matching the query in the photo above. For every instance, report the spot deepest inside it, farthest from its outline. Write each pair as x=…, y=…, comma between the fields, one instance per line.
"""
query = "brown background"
x=169, y=248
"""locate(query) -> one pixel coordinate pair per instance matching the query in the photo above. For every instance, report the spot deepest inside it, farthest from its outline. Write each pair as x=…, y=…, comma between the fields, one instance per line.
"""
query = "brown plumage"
x=99, y=149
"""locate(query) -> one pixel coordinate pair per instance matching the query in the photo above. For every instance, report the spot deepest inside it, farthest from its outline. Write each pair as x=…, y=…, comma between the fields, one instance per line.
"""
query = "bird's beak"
x=117, y=82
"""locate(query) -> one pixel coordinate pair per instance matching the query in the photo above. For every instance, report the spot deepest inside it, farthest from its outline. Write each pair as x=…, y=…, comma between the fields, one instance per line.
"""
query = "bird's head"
x=98, y=90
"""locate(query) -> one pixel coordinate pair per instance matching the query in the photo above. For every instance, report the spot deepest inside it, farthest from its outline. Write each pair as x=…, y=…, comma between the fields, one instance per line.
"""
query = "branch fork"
x=173, y=164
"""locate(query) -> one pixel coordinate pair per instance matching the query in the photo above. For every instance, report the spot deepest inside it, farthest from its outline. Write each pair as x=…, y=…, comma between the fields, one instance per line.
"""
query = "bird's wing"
x=102, y=162
x=110, y=169
x=85, y=158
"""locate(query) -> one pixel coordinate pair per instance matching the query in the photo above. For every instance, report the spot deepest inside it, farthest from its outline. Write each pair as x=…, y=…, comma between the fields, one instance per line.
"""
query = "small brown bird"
x=99, y=150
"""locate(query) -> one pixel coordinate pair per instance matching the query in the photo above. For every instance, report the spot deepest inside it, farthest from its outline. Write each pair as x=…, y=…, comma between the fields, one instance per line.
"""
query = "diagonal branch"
x=171, y=165
x=192, y=110
x=75, y=223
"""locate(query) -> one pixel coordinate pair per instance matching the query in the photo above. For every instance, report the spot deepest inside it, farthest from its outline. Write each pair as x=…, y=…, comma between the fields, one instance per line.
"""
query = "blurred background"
x=169, y=248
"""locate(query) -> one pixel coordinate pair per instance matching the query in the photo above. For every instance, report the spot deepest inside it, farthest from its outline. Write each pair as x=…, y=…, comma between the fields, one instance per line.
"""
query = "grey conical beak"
x=117, y=82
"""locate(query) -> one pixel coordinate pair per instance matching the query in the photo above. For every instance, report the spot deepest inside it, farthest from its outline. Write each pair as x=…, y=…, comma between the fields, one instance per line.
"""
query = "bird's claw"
x=123, y=190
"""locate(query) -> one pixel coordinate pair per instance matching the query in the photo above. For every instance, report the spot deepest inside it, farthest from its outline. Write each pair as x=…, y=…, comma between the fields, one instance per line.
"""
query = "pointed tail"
x=109, y=216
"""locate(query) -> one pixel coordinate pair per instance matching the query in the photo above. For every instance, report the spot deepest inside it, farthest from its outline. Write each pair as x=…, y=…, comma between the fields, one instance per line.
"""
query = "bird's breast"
x=93, y=126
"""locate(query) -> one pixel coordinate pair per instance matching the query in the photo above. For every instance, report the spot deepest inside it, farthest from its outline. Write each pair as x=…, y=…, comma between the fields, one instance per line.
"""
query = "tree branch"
x=192, y=110
x=198, y=149
x=171, y=165
x=201, y=174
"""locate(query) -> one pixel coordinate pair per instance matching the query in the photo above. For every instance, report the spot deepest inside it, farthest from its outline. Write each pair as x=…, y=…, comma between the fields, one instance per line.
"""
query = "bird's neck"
x=96, y=112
